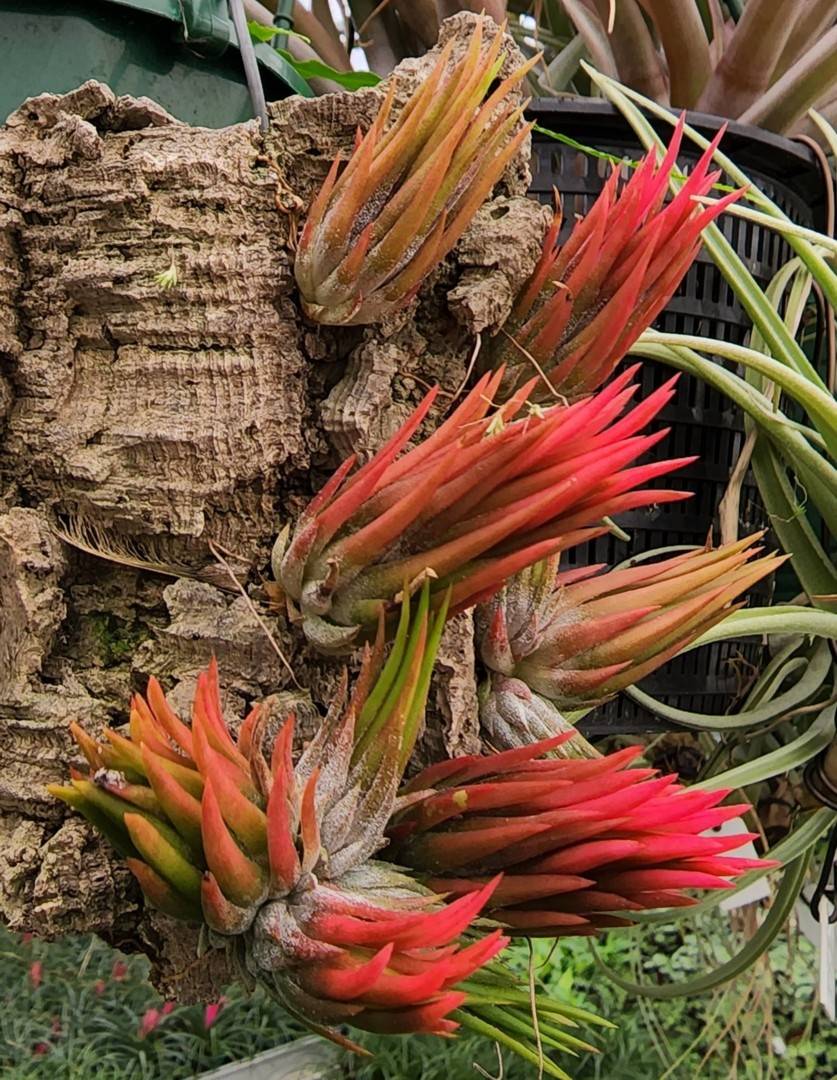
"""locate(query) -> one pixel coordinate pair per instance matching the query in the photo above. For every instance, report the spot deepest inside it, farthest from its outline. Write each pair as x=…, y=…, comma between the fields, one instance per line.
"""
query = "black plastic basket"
x=703, y=422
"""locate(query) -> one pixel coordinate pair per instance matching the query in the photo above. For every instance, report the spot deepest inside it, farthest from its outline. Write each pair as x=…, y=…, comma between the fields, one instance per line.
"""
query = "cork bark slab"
x=166, y=418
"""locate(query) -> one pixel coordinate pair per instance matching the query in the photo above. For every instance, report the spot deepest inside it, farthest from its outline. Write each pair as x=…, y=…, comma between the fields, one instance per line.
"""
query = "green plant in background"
x=89, y=1016
x=761, y=61
x=757, y=61
x=794, y=464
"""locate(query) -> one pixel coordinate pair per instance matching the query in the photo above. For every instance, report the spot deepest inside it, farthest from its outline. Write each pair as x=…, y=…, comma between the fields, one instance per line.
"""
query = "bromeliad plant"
x=589, y=299
x=576, y=638
x=482, y=497
x=409, y=191
x=282, y=859
x=278, y=859
x=579, y=844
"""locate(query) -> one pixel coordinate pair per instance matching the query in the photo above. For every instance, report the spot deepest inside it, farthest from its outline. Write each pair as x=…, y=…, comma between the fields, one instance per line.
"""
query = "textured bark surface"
x=163, y=419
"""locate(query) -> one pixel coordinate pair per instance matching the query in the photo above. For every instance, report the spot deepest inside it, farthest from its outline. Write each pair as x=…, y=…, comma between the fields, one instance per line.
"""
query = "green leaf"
x=829, y=134
x=563, y=66
x=815, y=570
x=785, y=436
x=815, y=675
x=818, y=403
x=528, y=1051
x=780, y=619
x=780, y=761
x=260, y=32
x=779, y=225
x=316, y=69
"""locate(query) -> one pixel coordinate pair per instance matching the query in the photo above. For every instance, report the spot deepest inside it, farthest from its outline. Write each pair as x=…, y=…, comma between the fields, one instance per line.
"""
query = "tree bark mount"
x=160, y=392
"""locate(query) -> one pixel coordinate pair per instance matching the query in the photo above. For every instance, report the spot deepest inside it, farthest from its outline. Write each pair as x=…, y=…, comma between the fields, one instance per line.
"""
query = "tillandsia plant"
x=589, y=299
x=410, y=189
x=576, y=637
x=482, y=497
x=580, y=844
x=277, y=859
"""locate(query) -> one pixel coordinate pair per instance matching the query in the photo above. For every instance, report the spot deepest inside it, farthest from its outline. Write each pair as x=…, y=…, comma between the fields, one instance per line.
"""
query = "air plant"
x=277, y=859
x=589, y=299
x=580, y=844
x=482, y=497
x=410, y=189
x=576, y=637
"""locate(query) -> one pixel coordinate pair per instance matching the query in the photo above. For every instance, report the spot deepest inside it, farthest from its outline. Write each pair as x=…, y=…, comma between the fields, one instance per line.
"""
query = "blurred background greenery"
x=78, y=1009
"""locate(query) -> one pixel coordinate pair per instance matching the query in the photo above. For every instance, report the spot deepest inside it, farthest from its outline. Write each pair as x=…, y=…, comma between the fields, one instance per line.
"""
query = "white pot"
x=311, y=1058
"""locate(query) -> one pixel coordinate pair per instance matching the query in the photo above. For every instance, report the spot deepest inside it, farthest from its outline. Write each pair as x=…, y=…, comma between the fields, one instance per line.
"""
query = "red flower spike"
x=410, y=189
x=221, y=914
x=485, y=496
x=245, y=732
x=348, y=981
x=422, y=1020
x=589, y=299
x=88, y=746
x=137, y=795
x=243, y=817
x=122, y=754
x=561, y=873
x=310, y=825
x=145, y=729
x=164, y=855
x=166, y=717
x=283, y=857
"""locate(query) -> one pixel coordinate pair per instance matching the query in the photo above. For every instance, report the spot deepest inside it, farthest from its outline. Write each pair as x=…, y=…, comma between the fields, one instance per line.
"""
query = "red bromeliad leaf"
x=606, y=838
x=588, y=300
x=486, y=495
x=577, y=642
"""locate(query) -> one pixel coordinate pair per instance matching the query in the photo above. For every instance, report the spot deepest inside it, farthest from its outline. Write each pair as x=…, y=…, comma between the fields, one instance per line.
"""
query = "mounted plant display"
x=406, y=795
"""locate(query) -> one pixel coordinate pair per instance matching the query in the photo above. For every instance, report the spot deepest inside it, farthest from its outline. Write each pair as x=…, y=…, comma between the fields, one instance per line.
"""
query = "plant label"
x=823, y=936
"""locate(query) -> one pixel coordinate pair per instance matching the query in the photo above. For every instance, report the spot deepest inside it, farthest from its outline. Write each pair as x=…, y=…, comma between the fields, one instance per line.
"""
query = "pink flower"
x=55, y=1027
x=150, y=1019
x=36, y=973
x=99, y=987
x=168, y=1008
x=119, y=970
x=27, y=937
x=211, y=1012
x=41, y=1048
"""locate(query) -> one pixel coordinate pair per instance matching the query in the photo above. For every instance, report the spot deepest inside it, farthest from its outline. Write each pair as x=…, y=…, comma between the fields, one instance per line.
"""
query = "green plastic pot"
x=181, y=53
